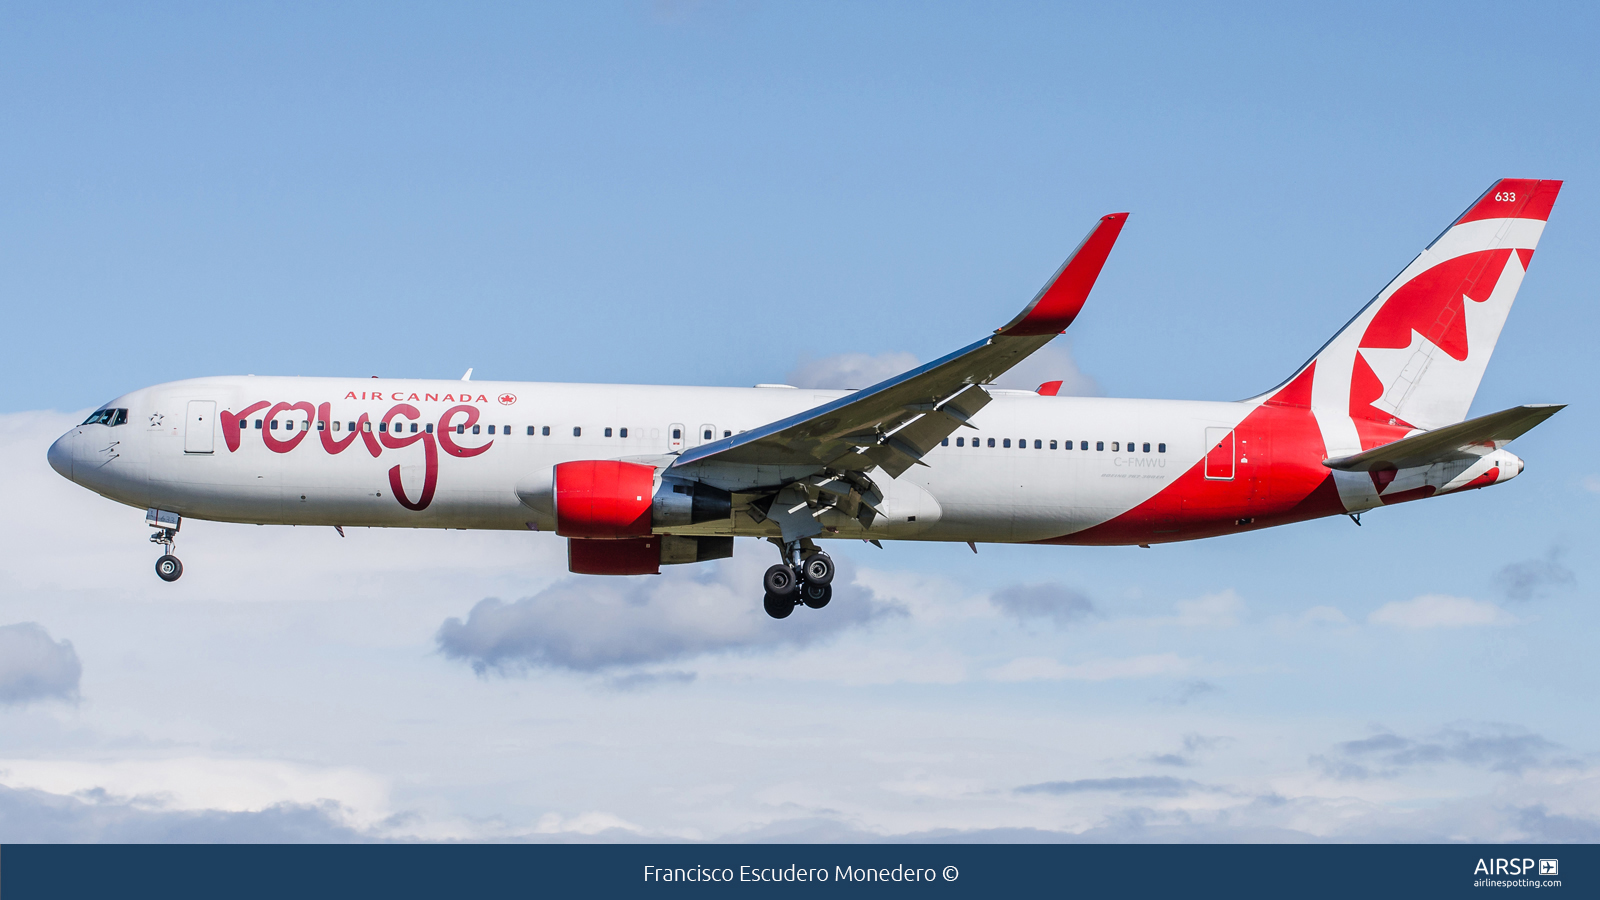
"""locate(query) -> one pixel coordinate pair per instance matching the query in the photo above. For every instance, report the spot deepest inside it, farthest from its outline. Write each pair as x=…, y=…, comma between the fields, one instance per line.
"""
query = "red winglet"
x=1515, y=198
x=1049, y=389
x=1060, y=301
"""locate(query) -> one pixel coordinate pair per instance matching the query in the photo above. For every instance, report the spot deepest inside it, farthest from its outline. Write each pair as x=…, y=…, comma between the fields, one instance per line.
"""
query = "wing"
x=894, y=423
x=1474, y=437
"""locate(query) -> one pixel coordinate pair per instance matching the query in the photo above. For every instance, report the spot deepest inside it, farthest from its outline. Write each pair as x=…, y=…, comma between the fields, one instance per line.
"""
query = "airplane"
x=636, y=477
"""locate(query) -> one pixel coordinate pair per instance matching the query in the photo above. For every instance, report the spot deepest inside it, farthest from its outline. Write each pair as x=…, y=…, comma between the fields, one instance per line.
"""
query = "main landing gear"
x=805, y=576
x=168, y=567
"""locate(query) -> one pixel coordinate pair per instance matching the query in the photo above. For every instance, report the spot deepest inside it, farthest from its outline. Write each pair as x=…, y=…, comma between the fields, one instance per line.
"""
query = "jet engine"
x=607, y=499
x=608, y=510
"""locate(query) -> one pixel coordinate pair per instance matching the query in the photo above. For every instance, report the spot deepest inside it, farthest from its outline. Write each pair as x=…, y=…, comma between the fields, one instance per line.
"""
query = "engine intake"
x=603, y=499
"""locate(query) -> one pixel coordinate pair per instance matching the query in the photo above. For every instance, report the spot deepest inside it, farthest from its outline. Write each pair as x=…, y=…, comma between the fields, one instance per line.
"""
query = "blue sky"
x=735, y=193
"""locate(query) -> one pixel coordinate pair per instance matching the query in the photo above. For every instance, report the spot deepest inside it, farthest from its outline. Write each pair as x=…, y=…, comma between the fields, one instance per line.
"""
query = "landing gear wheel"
x=780, y=581
x=816, y=596
x=168, y=568
x=778, y=607
x=818, y=569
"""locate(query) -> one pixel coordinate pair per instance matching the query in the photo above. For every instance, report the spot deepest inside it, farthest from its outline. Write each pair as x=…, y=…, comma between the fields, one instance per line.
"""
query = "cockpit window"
x=111, y=417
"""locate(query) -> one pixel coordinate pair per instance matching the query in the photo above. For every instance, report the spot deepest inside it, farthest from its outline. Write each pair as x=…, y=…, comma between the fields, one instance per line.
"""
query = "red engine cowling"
x=636, y=556
x=603, y=499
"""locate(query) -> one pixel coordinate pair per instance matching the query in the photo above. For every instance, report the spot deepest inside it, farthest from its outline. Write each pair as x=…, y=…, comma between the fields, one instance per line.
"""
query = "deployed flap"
x=894, y=423
x=1474, y=437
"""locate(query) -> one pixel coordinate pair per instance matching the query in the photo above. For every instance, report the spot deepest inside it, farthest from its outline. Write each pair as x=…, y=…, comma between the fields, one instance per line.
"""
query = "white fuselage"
x=971, y=492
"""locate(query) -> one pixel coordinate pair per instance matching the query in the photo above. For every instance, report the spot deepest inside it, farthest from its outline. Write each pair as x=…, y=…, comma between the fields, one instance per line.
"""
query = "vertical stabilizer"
x=1413, y=357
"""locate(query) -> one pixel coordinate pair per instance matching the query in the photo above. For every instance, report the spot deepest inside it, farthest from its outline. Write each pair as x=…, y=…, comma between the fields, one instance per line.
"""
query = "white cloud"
x=1052, y=362
x=587, y=823
x=1219, y=610
x=1044, y=669
x=1591, y=483
x=591, y=623
x=202, y=783
x=1222, y=609
x=34, y=667
x=1324, y=615
x=850, y=371
x=1439, y=611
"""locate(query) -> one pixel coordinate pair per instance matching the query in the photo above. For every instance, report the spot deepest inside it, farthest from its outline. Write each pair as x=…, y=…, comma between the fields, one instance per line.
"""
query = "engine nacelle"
x=603, y=499
x=638, y=556
x=642, y=556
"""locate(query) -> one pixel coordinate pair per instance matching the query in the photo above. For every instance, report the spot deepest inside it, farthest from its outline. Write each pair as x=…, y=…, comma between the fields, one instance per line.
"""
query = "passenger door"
x=1219, y=454
x=199, y=434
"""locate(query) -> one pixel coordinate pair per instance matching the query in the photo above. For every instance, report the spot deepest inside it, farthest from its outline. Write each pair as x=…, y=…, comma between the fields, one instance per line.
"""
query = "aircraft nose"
x=60, y=454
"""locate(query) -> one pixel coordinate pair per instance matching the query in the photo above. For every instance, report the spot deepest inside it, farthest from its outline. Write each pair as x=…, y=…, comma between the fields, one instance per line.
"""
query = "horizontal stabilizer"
x=1474, y=437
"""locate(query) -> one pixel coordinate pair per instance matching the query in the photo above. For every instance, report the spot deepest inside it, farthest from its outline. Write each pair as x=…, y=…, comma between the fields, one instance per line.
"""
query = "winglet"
x=1059, y=301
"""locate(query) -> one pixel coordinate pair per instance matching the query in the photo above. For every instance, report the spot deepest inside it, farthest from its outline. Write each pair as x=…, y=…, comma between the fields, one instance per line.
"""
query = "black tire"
x=816, y=596
x=780, y=581
x=818, y=569
x=168, y=568
x=777, y=607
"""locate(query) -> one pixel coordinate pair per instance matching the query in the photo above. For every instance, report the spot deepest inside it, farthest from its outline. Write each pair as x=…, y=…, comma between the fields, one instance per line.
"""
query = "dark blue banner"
x=178, y=872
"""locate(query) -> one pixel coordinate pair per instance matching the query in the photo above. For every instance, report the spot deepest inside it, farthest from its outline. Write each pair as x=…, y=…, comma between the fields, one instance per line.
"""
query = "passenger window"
x=708, y=434
x=945, y=442
x=530, y=431
x=274, y=425
x=1147, y=447
x=491, y=429
x=460, y=429
x=383, y=426
x=1006, y=442
x=961, y=442
x=1161, y=448
x=1115, y=446
x=352, y=427
x=366, y=427
x=622, y=433
x=608, y=432
x=321, y=425
x=428, y=428
x=991, y=442
x=724, y=434
x=577, y=431
x=1053, y=445
x=1083, y=445
x=474, y=429
x=677, y=434
x=1099, y=445
x=545, y=431
x=1039, y=445
x=413, y=428
x=258, y=424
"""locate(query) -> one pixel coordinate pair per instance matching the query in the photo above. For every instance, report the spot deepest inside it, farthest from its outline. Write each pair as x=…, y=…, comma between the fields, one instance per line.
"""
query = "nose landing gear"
x=166, y=524
x=805, y=576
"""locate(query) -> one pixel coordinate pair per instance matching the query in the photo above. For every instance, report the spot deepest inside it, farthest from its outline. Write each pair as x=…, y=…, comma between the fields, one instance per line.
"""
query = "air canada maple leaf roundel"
x=507, y=399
